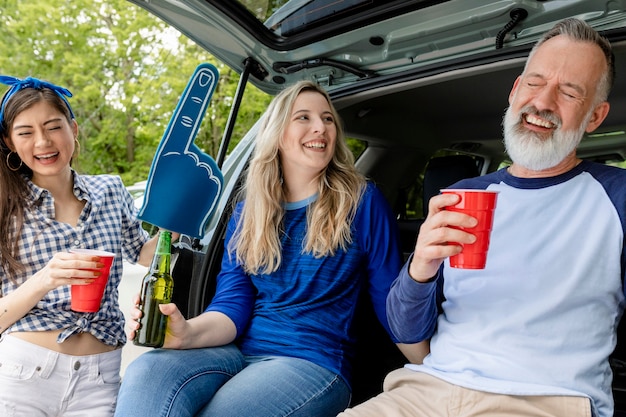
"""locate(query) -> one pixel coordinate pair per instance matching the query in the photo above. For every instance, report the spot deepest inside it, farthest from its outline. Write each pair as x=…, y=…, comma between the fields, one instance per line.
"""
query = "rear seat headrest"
x=443, y=171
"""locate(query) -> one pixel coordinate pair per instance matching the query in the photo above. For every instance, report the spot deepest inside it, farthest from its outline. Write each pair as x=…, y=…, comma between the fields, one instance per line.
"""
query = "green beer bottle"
x=156, y=288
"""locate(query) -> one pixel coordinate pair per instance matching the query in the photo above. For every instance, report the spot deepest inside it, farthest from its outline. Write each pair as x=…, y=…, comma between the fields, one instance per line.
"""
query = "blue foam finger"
x=184, y=183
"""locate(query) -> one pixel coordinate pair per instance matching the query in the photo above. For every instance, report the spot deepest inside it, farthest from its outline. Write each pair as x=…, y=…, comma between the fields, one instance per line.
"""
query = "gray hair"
x=578, y=30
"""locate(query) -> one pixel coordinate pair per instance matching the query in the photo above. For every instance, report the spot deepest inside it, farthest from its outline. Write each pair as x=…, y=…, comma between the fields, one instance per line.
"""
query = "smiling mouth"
x=315, y=145
x=47, y=156
x=536, y=121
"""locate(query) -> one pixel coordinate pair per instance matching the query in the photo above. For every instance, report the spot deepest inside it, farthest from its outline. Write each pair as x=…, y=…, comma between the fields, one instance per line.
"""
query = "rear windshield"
x=290, y=17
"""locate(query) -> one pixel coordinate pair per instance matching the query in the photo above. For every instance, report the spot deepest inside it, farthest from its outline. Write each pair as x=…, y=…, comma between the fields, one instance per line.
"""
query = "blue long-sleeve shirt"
x=541, y=318
x=305, y=308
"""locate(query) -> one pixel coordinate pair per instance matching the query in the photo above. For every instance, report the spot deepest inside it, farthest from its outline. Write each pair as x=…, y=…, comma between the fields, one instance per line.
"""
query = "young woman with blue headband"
x=55, y=361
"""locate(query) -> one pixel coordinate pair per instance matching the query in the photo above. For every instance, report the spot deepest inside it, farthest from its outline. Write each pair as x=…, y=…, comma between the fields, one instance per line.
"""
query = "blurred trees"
x=126, y=69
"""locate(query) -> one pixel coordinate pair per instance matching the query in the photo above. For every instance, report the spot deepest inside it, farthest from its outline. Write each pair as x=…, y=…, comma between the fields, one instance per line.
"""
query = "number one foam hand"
x=184, y=183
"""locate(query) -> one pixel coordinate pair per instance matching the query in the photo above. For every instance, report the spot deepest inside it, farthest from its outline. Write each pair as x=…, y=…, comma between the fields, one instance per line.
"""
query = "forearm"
x=412, y=308
x=147, y=251
x=211, y=328
x=415, y=352
x=18, y=303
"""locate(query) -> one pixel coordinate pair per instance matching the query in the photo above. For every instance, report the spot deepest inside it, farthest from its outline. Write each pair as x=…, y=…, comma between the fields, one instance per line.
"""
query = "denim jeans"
x=38, y=382
x=221, y=381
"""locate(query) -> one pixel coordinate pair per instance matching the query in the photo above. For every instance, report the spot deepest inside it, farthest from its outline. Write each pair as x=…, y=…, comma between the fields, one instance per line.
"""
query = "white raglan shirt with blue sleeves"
x=553, y=286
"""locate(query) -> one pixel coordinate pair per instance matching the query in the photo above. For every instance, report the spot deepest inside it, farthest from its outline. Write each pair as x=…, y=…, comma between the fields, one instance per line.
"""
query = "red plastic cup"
x=479, y=204
x=87, y=298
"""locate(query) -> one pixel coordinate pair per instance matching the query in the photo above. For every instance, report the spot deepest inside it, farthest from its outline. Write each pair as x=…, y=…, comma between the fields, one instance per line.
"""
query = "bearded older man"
x=532, y=332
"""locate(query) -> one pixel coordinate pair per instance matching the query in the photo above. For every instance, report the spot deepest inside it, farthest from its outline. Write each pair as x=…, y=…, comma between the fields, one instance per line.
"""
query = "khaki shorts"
x=409, y=393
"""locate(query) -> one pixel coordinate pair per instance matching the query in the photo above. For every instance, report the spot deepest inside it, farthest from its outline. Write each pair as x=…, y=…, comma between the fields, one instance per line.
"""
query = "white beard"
x=534, y=151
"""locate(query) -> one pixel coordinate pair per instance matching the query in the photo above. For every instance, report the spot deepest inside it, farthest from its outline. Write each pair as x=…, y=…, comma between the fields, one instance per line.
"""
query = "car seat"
x=440, y=172
x=376, y=354
x=443, y=171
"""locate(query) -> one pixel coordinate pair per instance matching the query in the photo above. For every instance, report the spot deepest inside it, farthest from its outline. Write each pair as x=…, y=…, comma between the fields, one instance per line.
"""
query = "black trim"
x=517, y=15
x=292, y=67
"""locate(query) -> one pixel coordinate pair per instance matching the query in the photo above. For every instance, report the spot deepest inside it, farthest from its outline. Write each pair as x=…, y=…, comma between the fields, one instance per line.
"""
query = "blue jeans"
x=221, y=381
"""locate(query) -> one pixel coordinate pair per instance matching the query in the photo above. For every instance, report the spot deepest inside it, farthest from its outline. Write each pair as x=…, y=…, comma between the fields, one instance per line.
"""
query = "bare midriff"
x=80, y=344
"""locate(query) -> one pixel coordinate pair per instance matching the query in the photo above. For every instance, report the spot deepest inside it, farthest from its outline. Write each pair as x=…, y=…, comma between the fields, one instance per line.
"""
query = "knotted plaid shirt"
x=107, y=222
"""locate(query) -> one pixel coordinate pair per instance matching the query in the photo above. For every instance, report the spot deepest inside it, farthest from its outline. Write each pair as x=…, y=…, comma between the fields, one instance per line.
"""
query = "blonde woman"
x=310, y=233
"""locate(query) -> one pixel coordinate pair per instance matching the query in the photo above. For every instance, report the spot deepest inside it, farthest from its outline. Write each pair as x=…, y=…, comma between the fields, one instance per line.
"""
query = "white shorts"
x=37, y=382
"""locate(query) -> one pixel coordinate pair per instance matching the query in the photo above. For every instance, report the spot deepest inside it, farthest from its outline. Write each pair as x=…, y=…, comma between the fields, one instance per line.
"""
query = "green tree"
x=263, y=9
x=126, y=69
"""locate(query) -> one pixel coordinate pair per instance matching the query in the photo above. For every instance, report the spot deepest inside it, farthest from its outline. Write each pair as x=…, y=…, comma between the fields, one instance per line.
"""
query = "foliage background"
x=126, y=69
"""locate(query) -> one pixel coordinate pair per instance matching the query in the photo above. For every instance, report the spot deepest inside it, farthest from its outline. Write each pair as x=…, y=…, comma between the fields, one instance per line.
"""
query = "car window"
x=289, y=18
x=357, y=146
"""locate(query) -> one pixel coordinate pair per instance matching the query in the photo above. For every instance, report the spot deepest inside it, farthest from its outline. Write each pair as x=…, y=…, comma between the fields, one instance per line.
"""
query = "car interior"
x=425, y=131
x=429, y=133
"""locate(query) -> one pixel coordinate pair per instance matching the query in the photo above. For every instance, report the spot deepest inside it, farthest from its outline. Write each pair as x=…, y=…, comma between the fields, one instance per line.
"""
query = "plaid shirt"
x=108, y=222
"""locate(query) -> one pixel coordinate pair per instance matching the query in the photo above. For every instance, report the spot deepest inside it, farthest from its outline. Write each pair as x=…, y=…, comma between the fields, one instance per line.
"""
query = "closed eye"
x=571, y=94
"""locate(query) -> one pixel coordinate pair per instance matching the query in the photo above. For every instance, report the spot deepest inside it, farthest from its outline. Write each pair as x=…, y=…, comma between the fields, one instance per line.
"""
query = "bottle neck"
x=162, y=253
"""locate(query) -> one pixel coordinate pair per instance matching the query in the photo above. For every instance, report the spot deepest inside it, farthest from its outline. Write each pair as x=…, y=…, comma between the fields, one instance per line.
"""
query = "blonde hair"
x=256, y=241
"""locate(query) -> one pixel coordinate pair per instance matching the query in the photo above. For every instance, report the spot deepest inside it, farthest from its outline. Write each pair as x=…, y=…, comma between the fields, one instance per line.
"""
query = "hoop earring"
x=9, y=162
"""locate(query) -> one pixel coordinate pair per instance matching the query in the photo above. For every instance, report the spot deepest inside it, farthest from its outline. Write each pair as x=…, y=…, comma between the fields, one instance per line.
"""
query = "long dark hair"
x=13, y=187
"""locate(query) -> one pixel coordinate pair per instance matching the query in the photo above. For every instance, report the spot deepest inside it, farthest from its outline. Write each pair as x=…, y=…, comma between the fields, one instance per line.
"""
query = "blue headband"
x=16, y=85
